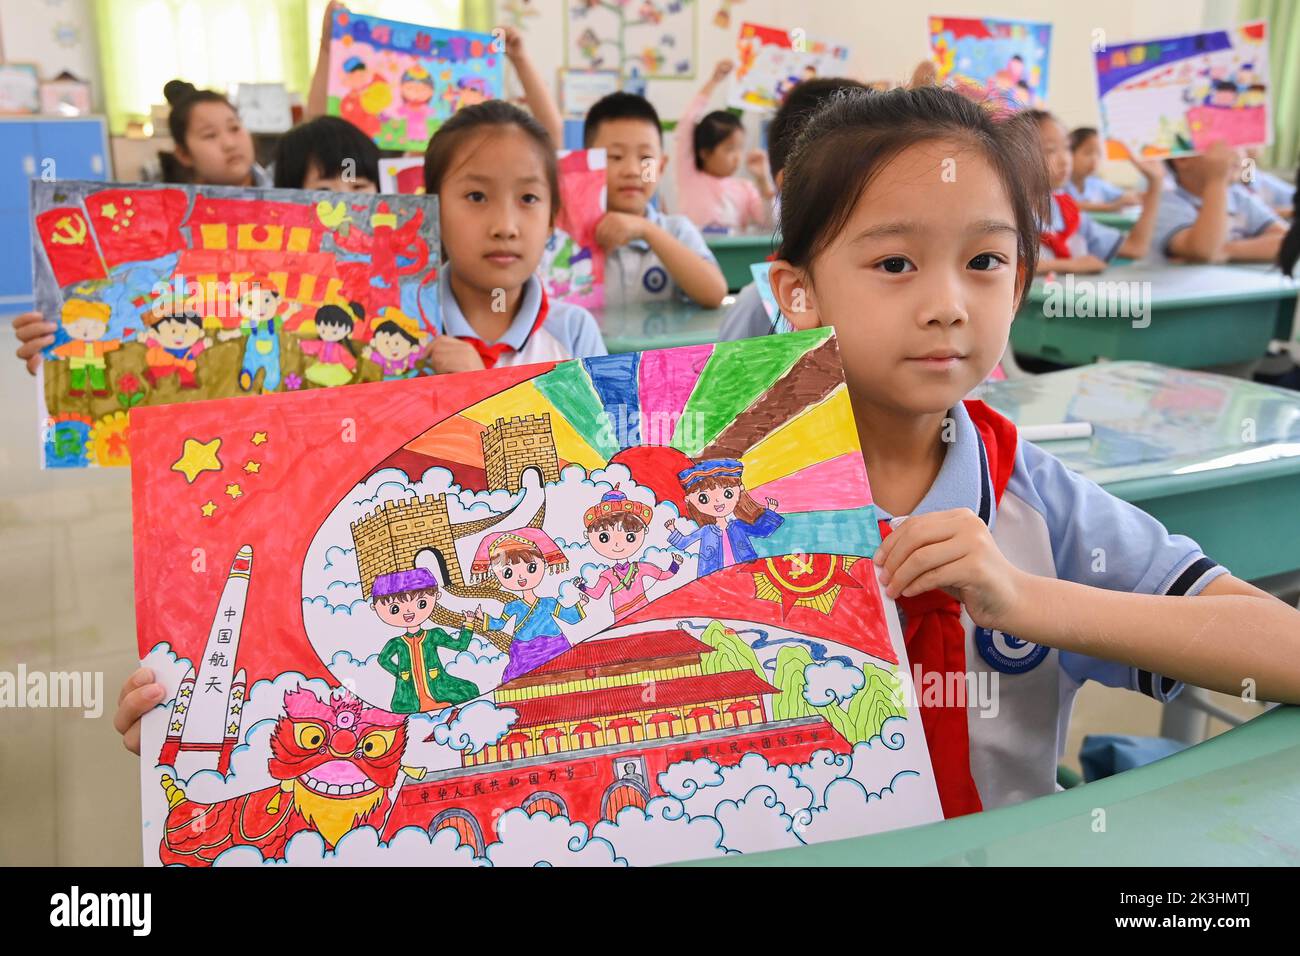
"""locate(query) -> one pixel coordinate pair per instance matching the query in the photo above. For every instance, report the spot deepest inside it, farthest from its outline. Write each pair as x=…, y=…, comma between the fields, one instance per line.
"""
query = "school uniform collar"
x=263, y=177
x=521, y=327
x=963, y=480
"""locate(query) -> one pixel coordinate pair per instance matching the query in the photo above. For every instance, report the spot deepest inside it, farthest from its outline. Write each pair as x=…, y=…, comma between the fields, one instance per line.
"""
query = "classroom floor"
x=69, y=792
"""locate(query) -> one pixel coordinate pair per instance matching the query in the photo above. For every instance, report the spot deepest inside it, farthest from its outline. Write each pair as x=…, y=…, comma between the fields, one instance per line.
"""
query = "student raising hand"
x=34, y=334
x=536, y=92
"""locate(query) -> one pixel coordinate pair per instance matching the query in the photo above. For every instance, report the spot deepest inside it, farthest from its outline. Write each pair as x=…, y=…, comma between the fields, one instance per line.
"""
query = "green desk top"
x=1120, y=218
x=764, y=241
x=1174, y=285
x=637, y=326
x=1228, y=801
x=1157, y=424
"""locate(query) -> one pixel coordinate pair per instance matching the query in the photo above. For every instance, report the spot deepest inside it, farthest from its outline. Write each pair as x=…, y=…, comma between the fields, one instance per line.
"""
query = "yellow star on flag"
x=208, y=508
x=198, y=457
x=109, y=210
x=233, y=490
x=252, y=467
x=259, y=438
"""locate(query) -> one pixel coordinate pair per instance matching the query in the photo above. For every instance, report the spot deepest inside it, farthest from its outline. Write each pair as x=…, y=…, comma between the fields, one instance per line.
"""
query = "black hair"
x=187, y=317
x=854, y=135
x=1289, y=251
x=443, y=146
x=617, y=106
x=326, y=142
x=1081, y=135
x=712, y=131
x=392, y=328
x=183, y=97
x=337, y=315
x=800, y=103
x=1224, y=85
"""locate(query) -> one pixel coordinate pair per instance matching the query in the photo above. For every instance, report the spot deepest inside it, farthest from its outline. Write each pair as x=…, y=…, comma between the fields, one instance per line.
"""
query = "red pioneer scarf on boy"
x=936, y=641
x=1059, y=241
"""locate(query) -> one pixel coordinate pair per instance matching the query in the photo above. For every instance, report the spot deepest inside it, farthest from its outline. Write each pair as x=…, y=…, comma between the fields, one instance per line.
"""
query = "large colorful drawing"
x=648, y=39
x=1178, y=95
x=771, y=60
x=174, y=293
x=398, y=81
x=609, y=611
x=987, y=58
x=573, y=265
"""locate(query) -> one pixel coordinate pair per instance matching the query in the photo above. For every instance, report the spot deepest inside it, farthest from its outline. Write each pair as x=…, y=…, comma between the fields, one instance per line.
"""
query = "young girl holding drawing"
x=707, y=154
x=209, y=139
x=1006, y=561
x=493, y=168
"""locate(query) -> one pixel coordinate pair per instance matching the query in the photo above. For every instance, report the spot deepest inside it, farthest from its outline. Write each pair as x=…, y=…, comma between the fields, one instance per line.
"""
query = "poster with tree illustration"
x=169, y=294
x=649, y=39
x=616, y=611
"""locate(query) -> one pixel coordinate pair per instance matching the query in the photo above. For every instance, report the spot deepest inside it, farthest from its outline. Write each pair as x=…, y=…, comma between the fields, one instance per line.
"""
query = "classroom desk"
x=736, y=253
x=1229, y=801
x=637, y=326
x=1122, y=219
x=1199, y=316
x=1171, y=442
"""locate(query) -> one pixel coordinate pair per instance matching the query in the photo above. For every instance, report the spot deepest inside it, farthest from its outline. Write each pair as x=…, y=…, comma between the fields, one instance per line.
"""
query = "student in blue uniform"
x=1210, y=217
x=1090, y=191
x=650, y=256
x=747, y=317
x=1001, y=559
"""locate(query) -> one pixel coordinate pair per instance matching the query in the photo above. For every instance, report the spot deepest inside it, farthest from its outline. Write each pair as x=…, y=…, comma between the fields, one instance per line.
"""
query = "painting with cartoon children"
x=397, y=82
x=547, y=593
x=1176, y=96
x=175, y=293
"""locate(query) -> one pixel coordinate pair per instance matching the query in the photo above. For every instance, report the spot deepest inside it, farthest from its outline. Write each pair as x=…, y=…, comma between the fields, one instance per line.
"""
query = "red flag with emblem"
x=69, y=245
x=135, y=225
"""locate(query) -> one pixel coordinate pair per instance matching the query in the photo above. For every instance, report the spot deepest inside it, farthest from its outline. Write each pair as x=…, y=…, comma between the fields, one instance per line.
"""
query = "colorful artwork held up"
x=398, y=81
x=1178, y=95
x=616, y=611
x=573, y=265
x=771, y=60
x=1002, y=61
x=169, y=294
x=648, y=39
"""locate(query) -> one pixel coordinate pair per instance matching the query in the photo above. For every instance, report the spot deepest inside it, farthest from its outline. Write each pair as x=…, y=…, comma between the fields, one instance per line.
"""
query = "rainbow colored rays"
x=777, y=403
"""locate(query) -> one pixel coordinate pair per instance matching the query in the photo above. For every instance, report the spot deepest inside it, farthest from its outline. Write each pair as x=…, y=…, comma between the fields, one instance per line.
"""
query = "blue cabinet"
x=29, y=146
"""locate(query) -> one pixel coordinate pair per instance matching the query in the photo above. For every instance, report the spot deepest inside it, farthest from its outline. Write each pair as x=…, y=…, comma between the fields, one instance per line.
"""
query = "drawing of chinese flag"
x=69, y=245
x=137, y=225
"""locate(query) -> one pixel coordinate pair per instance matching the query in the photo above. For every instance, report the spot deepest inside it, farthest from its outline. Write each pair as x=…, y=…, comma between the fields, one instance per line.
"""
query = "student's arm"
x=536, y=92
x=1138, y=241
x=1204, y=239
x=698, y=277
x=1261, y=248
x=318, y=94
x=1229, y=634
x=1080, y=265
x=684, y=132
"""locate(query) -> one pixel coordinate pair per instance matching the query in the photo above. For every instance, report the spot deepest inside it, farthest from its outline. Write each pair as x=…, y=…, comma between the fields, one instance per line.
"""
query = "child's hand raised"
x=720, y=71
x=513, y=42
x=139, y=695
x=618, y=229
x=34, y=334
x=756, y=163
x=952, y=550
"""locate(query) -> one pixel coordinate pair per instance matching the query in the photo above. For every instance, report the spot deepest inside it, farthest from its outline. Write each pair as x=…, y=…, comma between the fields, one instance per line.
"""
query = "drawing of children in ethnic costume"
x=519, y=560
x=727, y=516
x=616, y=529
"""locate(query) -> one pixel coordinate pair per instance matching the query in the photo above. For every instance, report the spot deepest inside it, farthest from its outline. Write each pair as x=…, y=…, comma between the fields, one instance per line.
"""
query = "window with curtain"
x=1283, y=18
x=220, y=43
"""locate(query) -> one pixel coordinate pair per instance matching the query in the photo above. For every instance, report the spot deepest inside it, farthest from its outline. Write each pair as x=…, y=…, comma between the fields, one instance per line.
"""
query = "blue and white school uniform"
x=634, y=273
x=1248, y=215
x=1095, y=189
x=566, y=331
x=1275, y=191
x=1091, y=238
x=1054, y=523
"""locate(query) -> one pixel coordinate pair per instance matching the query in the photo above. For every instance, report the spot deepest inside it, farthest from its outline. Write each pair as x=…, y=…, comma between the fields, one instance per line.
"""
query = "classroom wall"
x=55, y=36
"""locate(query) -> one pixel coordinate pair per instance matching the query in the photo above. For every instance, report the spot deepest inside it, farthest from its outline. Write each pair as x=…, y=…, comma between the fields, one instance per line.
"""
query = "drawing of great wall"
x=393, y=536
